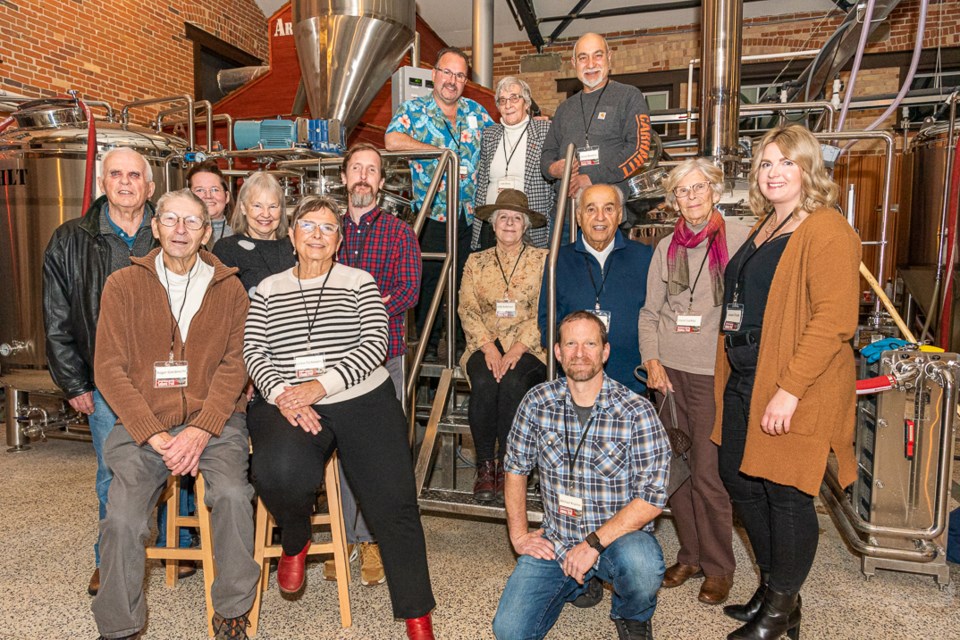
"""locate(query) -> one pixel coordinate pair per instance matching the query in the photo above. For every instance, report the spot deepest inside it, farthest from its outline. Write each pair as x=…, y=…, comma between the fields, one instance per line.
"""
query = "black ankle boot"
x=745, y=612
x=485, y=488
x=779, y=614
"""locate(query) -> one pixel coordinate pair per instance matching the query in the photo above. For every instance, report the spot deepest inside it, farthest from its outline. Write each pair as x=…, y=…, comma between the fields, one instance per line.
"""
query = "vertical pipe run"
x=720, y=50
x=483, y=42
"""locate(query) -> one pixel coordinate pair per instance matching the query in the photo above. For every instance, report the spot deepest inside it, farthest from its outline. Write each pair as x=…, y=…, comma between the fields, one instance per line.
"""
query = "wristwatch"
x=594, y=541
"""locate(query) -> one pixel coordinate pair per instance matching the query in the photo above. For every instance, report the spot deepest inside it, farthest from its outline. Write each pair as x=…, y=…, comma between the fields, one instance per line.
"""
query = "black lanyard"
x=745, y=257
x=602, y=282
x=186, y=290
x=456, y=137
x=316, y=309
x=588, y=123
x=700, y=270
x=503, y=273
x=514, y=150
x=566, y=440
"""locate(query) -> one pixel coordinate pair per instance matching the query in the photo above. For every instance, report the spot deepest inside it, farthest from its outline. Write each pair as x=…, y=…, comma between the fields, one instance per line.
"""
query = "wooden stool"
x=264, y=549
x=174, y=554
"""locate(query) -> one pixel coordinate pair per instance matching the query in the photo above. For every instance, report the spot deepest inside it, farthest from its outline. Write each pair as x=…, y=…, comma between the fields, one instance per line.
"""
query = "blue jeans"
x=537, y=590
x=101, y=423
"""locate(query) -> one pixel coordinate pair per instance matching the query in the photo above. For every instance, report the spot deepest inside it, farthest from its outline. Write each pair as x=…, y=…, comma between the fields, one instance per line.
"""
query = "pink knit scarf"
x=678, y=271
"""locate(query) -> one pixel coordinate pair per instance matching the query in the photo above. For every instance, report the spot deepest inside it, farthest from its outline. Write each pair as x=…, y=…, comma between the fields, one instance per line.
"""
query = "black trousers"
x=433, y=239
x=780, y=521
x=493, y=404
x=370, y=434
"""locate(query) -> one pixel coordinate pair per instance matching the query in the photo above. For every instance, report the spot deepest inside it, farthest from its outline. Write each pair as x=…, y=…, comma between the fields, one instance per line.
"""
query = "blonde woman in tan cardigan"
x=785, y=380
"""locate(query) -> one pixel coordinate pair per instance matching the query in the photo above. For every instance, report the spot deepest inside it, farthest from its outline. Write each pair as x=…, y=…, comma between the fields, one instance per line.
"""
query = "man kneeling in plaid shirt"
x=603, y=457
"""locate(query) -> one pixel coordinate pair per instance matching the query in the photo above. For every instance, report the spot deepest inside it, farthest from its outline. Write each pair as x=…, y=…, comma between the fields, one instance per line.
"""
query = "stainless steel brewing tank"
x=42, y=167
x=924, y=185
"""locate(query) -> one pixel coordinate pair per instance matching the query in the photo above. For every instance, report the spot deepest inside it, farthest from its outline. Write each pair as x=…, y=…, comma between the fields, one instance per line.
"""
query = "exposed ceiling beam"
x=528, y=16
x=565, y=22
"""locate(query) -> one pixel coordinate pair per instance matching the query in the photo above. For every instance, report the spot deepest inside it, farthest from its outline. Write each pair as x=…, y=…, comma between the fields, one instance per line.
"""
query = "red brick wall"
x=672, y=47
x=118, y=51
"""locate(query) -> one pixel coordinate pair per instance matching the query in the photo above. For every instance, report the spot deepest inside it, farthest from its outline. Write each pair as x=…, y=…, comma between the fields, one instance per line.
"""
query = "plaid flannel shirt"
x=386, y=248
x=625, y=455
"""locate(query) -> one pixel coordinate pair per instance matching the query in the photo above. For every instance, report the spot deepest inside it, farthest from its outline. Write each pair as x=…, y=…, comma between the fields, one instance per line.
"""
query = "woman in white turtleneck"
x=510, y=159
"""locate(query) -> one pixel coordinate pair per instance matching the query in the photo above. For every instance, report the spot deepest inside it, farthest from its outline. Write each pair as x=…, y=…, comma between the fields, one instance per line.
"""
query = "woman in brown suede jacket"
x=786, y=394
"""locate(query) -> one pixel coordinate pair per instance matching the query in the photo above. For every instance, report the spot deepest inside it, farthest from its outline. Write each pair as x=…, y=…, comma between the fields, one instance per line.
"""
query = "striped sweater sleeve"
x=257, y=350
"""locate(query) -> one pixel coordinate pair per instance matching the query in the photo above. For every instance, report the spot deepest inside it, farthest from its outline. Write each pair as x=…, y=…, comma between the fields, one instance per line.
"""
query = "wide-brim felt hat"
x=513, y=200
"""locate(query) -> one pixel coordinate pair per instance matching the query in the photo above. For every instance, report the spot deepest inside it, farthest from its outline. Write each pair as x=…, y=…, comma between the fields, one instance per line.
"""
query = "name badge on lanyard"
x=689, y=323
x=506, y=308
x=169, y=374
x=570, y=506
x=604, y=316
x=309, y=367
x=588, y=156
x=509, y=183
x=734, y=317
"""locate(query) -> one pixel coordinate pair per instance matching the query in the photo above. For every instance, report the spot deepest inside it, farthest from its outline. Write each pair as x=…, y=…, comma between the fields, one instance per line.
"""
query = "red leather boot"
x=420, y=628
x=291, y=571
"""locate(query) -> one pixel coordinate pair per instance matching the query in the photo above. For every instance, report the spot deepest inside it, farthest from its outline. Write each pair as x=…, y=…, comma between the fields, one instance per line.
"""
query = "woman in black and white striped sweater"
x=316, y=337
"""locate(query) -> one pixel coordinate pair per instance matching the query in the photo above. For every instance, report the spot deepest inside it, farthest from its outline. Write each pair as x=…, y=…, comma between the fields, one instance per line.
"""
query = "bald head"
x=591, y=59
x=599, y=212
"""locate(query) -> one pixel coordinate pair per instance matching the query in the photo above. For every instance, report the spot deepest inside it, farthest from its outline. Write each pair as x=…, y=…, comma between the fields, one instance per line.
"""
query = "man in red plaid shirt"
x=385, y=247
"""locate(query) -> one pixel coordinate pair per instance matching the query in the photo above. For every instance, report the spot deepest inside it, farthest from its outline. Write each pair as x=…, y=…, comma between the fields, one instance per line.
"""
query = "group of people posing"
x=297, y=348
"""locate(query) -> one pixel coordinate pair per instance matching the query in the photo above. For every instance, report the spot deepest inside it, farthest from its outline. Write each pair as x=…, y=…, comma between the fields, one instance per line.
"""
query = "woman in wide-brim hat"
x=499, y=293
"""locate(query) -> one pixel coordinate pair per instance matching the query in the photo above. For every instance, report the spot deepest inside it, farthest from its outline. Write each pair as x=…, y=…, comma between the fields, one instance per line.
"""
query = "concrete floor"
x=48, y=526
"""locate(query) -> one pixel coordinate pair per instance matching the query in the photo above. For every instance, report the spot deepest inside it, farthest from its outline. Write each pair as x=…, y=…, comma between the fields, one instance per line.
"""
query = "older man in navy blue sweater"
x=605, y=273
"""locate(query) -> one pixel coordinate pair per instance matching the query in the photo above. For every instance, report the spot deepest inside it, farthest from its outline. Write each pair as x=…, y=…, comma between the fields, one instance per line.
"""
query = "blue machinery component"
x=318, y=135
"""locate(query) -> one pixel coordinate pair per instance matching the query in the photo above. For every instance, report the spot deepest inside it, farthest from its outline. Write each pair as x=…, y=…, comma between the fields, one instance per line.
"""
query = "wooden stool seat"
x=264, y=549
x=173, y=554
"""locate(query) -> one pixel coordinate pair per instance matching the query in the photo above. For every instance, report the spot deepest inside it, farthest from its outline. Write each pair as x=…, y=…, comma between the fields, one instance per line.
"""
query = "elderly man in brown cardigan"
x=169, y=361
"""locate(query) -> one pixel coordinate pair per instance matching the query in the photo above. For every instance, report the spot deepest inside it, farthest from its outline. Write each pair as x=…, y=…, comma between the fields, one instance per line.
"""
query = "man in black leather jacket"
x=78, y=259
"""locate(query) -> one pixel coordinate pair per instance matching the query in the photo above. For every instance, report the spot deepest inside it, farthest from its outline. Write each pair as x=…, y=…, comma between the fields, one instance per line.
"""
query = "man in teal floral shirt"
x=442, y=120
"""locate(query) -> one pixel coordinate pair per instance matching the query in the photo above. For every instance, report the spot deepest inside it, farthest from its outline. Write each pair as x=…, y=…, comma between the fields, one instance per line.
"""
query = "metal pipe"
x=552, y=264
x=15, y=440
x=720, y=48
x=944, y=212
x=858, y=57
x=191, y=131
x=230, y=79
x=415, y=50
x=483, y=42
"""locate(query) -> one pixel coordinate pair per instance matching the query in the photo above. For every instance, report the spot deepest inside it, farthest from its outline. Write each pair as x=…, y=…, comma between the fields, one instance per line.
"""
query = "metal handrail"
x=891, y=146
x=191, y=130
x=552, y=262
x=199, y=104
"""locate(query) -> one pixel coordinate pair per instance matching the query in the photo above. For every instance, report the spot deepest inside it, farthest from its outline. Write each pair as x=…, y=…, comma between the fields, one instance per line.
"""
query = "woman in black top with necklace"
x=260, y=247
x=787, y=394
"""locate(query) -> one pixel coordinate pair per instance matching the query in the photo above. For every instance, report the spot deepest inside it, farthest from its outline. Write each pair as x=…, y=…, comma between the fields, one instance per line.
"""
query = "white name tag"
x=588, y=156
x=309, y=367
x=509, y=183
x=689, y=323
x=734, y=317
x=169, y=374
x=604, y=316
x=570, y=506
x=463, y=172
x=506, y=309
x=472, y=121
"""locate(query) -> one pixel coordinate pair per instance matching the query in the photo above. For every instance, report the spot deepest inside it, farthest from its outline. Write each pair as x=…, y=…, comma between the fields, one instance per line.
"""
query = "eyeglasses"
x=510, y=99
x=326, y=228
x=212, y=191
x=170, y=219
x=693, y=190
x=447, y=75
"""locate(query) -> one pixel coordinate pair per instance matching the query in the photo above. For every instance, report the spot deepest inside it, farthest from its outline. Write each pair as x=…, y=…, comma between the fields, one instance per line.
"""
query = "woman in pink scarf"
x=678, y=326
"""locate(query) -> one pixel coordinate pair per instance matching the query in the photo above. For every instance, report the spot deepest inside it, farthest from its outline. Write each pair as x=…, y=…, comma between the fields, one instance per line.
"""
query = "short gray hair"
x=524, y=89
x=147, y=171
x=188, y=195
x=710, y=171
x=317, y=203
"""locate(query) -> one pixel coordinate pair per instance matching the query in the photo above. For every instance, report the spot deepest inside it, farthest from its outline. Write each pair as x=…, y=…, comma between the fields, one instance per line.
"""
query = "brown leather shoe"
x=680, y=573
x=94, y=585
x=715, y=589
